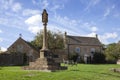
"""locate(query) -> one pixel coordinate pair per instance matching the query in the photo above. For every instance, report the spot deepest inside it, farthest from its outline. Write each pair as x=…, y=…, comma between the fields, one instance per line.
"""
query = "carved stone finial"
x=44, y=16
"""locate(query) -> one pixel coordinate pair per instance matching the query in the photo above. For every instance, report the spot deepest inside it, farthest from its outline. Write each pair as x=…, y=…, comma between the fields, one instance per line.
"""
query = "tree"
x=55, y=40
x=112, y=52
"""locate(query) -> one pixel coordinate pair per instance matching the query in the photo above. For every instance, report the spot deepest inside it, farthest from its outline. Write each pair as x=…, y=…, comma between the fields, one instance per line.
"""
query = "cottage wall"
x=21, y=46
x=82, y=45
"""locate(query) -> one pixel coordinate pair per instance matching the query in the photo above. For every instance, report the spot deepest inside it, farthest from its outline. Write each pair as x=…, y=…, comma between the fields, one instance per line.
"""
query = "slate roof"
x=28, y=43
x=83, y=40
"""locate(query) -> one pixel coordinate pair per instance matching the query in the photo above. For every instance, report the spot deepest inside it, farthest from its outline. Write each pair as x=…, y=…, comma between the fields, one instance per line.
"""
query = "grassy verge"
x=79, y=72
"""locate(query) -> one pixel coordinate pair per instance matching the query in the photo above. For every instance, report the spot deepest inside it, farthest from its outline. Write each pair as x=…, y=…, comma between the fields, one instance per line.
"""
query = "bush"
x=73, y=57
x=98, y=58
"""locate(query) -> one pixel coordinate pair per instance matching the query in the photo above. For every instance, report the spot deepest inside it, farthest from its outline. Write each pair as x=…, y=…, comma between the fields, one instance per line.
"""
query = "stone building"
x=84, y=47
x=24, y=47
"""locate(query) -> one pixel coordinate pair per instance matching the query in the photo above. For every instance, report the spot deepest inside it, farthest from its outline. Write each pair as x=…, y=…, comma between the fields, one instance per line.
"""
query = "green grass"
x=80, y=72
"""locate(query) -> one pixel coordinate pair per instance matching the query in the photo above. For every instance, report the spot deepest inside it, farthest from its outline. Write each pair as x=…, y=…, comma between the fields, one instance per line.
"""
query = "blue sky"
x=76, y=17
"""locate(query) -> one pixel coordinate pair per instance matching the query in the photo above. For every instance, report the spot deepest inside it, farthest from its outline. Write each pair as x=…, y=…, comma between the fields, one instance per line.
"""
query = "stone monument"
x=46, y=61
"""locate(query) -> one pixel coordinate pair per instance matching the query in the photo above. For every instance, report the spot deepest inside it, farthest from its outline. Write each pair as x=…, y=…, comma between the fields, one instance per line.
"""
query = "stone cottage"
x=23, y=47
x=84, y=47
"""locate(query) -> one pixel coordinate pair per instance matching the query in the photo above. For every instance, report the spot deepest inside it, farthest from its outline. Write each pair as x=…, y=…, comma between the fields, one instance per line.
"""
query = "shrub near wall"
x=98, y=58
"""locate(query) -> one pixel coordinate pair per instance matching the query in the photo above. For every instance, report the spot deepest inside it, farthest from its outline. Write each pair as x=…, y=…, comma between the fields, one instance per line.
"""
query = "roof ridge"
x=81, y=36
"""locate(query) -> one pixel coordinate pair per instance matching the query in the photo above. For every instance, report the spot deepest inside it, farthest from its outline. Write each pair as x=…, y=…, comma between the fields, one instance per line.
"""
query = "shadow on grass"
x=74, y=70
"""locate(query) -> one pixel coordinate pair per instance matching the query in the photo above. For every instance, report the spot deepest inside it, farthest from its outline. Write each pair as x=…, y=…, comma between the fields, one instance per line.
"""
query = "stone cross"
x=45, y=20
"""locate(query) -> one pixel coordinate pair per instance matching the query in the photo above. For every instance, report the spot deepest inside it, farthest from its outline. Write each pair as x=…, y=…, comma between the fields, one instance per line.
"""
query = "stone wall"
x=62, y=54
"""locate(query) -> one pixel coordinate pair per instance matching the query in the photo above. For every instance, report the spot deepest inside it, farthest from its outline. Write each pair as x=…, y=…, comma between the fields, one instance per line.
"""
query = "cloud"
x=10, y=4
x=44, y=3
x=1, y=31
x=34, y=29
x=16, y=7
x=91, y=3
x=108, y=10
x=5, y=4
x=28, y=12
x=33, y=23
x=33, y=20
x=3, y=49
x=94, y=29
x=105, y=37
x=89, y=26
x=66, y=23
x=93, y=34
x=51, y=5
x=56, y=7
x=1, y=39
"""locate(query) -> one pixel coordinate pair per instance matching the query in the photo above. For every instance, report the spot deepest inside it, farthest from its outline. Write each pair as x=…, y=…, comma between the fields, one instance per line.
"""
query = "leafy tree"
x=55, y=40
x=112, y=52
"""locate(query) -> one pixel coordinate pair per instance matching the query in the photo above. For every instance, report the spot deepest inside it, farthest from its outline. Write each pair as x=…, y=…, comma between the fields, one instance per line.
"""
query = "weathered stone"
x=115, y=70
x=45, y=62
x=118, y=62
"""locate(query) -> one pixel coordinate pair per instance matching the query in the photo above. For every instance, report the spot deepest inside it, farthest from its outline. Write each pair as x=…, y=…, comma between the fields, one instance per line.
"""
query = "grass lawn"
x=79, y=72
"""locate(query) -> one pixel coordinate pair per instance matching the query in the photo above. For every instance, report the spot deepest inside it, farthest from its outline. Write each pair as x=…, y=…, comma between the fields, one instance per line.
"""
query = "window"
x=92, y=50
x=20, y=48
x=77, y=50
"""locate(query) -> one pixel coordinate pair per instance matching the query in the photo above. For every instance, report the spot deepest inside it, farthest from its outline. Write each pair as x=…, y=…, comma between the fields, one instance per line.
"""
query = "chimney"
x=96, y=36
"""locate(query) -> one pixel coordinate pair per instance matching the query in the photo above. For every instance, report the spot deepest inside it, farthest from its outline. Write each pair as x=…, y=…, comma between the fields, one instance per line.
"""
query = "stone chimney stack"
x=96, y=36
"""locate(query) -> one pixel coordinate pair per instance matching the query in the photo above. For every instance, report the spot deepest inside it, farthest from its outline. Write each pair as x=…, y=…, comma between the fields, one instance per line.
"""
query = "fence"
x=11, y=59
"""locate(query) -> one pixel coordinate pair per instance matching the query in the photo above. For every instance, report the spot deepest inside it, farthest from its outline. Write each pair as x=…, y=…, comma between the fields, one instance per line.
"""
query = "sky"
x=76, y=17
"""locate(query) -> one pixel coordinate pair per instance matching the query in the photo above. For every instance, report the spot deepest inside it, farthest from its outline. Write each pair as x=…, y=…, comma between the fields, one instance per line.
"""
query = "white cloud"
x=5, y=4
x=93, y=34
x=91, y=4
x=44, y=3
x=33, y=23
x=16, y=7
x=56, y=6
x=3, y=49
x=28, y=12
x=10, y=4
x=105, y=37
x=94, y=29
x=110, y=35
x=34, y=29
x=67, y=23
x=1, y=39
x=1, y=31
x=33, y=20
x=108, y=10
x=90, y=26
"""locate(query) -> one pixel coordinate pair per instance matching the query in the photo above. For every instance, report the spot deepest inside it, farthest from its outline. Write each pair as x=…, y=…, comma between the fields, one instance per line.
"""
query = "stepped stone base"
x=44, y=64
